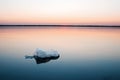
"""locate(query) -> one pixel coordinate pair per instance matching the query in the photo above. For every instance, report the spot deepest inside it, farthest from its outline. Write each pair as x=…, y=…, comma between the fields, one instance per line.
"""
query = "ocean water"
x=85, y=53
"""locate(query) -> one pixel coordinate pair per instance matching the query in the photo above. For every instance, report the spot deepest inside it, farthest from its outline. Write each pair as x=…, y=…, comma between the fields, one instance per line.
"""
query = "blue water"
x=85, y=53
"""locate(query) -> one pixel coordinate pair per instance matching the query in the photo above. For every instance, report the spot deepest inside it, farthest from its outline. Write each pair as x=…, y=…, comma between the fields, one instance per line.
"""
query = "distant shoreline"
x=60, y=25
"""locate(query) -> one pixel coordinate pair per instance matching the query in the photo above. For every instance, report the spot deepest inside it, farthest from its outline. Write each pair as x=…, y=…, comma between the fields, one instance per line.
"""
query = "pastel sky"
x=60, y=12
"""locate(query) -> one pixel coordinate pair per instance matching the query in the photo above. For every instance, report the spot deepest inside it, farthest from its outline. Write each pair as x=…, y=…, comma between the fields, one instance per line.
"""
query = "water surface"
x=85, y=53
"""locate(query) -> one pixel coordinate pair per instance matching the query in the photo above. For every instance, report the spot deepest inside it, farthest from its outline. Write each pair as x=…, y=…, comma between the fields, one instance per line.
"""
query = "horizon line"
x=59, y=25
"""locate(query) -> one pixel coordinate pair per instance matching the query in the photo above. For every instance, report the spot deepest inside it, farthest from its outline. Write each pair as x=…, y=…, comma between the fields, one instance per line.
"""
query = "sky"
x=105, y=12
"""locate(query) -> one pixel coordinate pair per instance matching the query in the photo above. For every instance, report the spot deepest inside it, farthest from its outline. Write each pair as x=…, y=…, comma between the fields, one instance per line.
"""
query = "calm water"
x=85, y=53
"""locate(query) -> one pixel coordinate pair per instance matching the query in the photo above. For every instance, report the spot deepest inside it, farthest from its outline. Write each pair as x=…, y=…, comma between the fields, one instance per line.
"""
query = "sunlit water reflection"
x=85, y=53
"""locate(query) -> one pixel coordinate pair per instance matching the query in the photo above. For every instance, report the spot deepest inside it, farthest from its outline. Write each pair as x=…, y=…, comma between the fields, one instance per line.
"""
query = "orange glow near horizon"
x=70, y=20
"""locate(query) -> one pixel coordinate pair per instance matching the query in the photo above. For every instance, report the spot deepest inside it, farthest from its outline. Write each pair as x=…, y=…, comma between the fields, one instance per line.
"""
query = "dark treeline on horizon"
x=60, y=25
